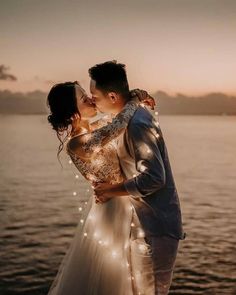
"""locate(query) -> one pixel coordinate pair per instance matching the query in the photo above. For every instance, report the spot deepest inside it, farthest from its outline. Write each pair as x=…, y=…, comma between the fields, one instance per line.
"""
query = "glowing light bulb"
x=132, y=224
x=70, y=162
x=80, y=208
x=142, y=168
x=148, y=151
x=74, y=193
x=81, y=221
x=100, y=242
x=88, y=190
x=140, y=233
x=156, y=113
x=85, y=234
x=85, y=203
x=76, y=176
x=134, y=175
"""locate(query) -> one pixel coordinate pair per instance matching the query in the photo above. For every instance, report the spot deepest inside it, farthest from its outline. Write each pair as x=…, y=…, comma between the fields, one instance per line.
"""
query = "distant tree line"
x=209, y=104
x=23, y=103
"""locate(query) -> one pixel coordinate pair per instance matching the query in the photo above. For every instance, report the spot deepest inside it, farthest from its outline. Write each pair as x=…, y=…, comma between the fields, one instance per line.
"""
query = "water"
x=39, y=213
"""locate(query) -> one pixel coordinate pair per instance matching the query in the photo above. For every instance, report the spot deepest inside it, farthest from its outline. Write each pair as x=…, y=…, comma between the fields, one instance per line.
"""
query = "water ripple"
x=39, y=212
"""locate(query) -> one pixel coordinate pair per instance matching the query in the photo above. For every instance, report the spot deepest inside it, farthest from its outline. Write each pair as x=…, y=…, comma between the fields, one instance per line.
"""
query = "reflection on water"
x=38, y=211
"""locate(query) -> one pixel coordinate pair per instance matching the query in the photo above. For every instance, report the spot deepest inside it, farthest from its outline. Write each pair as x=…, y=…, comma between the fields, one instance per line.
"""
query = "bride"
x=98, y=259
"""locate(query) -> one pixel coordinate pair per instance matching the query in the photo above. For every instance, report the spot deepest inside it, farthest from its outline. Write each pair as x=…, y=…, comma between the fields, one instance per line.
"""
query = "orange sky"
x=185, y=46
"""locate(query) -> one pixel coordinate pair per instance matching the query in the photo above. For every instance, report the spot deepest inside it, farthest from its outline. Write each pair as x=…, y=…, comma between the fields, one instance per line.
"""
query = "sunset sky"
x=186, y=46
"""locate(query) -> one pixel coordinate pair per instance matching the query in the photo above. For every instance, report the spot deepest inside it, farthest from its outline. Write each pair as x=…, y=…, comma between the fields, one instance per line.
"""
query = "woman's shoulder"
x=75, y=143
x=79, y=145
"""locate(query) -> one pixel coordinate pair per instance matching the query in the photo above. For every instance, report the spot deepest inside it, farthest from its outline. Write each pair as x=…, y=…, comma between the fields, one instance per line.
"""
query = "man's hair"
x=110, y=76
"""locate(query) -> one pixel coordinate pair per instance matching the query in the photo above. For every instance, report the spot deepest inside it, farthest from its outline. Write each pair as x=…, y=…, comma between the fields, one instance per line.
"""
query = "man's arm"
x=143, y=145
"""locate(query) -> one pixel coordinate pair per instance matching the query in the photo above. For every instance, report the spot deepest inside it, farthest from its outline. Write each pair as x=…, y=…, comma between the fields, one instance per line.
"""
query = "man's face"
x=104, y=102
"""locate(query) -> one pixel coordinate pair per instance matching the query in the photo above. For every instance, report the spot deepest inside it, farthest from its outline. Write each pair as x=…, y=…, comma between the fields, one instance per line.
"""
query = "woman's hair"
x=63, y=105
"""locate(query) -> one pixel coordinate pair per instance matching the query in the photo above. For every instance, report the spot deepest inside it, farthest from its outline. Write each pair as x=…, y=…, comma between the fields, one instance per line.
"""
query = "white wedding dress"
x=98, y=259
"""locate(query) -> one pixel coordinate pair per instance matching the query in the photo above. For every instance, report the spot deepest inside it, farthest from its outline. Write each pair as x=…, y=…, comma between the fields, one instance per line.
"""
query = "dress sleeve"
x=88, y=144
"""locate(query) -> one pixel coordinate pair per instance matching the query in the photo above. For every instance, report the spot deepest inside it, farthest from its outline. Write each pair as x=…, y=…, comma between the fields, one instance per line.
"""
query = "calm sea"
x=39, y=213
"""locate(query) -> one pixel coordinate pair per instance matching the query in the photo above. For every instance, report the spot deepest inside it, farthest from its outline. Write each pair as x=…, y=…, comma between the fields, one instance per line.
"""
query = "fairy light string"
x=96, y=237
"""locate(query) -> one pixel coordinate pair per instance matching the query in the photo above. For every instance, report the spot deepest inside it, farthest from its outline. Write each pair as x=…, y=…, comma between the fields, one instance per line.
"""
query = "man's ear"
x=113, y=97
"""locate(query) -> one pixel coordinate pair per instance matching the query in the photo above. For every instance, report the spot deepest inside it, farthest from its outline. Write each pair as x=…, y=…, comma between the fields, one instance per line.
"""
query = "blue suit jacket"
x=149, y=180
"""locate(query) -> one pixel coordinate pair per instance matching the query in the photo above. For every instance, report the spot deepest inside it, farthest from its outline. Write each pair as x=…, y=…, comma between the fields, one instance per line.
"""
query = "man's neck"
x=120, y=105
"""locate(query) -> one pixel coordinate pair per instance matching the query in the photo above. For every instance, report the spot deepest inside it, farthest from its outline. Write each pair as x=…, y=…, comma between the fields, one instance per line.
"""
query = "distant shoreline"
x=216, y=104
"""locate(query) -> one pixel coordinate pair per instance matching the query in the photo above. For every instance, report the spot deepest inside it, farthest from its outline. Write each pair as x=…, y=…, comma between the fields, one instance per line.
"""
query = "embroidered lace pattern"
x=103, y=163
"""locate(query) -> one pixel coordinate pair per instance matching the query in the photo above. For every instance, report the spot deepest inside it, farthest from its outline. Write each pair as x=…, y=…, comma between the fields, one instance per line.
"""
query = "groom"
x=149, y=180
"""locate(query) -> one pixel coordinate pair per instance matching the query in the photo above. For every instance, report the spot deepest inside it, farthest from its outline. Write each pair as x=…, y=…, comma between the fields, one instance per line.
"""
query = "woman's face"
x=86, y=108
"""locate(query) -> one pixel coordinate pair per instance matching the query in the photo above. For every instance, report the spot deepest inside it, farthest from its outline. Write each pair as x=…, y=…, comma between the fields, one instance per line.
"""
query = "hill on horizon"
x=210, y=104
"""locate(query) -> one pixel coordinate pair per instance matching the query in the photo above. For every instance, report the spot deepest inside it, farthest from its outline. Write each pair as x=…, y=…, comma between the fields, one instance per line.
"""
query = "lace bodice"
x=103, y=167
x=100, y=162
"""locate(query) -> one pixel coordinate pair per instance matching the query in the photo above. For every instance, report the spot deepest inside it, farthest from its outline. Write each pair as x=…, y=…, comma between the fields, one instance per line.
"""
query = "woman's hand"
x=105, y=191
x=102, y=192
x=144, y=97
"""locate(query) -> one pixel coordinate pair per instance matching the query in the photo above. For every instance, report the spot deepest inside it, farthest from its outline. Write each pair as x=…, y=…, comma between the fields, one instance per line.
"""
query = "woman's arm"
x=88, y=144
x=137, y=95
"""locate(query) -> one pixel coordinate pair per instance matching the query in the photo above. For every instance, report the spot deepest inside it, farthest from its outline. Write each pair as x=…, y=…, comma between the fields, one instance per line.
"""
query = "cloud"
x=4, y=74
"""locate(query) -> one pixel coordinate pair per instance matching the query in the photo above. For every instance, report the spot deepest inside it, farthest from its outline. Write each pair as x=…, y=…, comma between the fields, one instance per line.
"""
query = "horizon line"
x=170, y=93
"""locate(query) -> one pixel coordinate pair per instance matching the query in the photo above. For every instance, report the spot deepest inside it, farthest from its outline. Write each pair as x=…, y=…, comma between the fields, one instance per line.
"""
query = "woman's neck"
x=80, y=126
